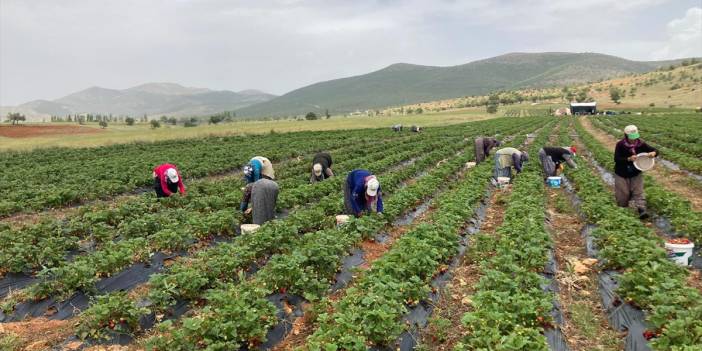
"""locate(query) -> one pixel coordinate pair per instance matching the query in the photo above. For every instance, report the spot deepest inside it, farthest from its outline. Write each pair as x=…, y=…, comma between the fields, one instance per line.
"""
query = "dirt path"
x=673, y=181
x=585, y=325
x=36, y=334
x=445, y=328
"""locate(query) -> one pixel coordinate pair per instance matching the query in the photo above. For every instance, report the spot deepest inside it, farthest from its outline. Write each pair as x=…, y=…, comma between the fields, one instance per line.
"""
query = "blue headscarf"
x=252, y=171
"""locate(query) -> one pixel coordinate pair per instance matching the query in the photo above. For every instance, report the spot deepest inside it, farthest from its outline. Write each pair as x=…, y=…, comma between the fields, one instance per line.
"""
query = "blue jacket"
x=356, y=183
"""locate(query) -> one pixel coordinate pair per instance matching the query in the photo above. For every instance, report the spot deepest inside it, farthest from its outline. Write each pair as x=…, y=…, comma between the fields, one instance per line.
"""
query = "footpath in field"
x=673, y=181
x=585, y=325
x=445, y=329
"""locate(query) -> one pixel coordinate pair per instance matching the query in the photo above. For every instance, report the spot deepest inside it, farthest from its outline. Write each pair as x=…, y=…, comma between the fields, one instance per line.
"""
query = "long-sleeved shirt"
x=510, y=157
x=560, y=155
x=260, y=166
x=356, y=182
x=488, y=144
x=622, y=166
x=160, y=173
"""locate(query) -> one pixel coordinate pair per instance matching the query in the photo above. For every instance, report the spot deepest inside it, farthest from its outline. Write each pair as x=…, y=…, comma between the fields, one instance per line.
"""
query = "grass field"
x=120, y=133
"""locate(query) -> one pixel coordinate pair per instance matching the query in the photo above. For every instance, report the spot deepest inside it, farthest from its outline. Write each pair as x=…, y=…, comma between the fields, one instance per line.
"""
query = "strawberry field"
x=125, y=268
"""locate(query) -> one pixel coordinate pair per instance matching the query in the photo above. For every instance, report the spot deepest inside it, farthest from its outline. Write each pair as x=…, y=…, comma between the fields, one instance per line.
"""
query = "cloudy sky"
x=50, y=48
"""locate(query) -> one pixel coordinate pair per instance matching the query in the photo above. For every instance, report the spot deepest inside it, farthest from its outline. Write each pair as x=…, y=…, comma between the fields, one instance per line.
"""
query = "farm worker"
x=167, y=180
x=361, y=192
x=257, y=167
x=263, y=195
x=397, y=128
x=483, y=147
x=321, y=167
x=509, y=157
x=416, y=129
x=628, y=181
x=552, y=159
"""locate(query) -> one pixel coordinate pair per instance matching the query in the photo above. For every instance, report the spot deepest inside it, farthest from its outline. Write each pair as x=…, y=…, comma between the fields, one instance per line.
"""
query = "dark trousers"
x=158, y=189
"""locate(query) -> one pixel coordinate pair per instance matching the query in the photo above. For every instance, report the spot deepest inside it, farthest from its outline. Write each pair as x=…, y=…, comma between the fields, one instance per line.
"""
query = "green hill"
x=403, y=83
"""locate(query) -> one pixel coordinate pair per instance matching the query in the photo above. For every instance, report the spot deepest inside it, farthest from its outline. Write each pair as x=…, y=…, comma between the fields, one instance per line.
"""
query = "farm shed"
x=583, y=108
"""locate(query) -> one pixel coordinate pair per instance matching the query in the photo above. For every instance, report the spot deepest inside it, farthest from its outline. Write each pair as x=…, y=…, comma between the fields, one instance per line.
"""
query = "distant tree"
x=615, y=94
x=163, y=119
x=582, y=96
x=214, y=119
x=16, y=117
x=130, y=121
x=419, y=110
x=172, y=121
x=652, y=105
x=326, y=113
x=103, y=124
x=155, y=124
x=492, y=103
x=310, y=116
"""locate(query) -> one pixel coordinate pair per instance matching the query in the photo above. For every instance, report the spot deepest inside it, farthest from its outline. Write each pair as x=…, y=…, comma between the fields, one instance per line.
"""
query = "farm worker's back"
x=321, y=167
x=167, y=180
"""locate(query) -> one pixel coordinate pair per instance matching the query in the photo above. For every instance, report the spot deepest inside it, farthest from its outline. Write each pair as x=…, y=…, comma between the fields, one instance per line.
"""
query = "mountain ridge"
x=405, y=83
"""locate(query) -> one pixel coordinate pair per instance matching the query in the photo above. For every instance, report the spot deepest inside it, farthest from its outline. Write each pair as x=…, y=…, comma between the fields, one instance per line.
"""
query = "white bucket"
x=249, y=228
x=502, y=182
x=554, y=182
x=342, y=219
x=643, y=162
x=680, y=253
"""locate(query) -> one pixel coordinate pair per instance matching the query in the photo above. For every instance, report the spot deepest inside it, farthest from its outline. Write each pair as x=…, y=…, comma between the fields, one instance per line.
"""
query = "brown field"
x=29, y=131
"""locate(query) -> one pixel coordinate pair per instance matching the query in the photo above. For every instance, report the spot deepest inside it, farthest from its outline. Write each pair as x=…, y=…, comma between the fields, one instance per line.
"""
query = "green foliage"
x=129, y=121
x=110, y=315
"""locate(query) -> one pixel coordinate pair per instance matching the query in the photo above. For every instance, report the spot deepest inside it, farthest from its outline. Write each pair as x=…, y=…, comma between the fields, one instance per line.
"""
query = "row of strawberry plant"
x=317, y=254
x=684, y=154
x=511, y=310
x=44, y=245
x=672, y=131
x=648, y=280
x=83, y=272
x=684, y=220
x=57, y=177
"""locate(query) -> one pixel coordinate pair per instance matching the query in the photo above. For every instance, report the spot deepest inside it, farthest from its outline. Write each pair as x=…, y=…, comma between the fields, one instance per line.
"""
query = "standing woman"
x=628, y=180
x=361, y=192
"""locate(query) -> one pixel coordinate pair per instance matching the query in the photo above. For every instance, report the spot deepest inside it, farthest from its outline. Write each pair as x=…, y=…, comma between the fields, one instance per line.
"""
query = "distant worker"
x=628, y=180
x=509, y=157
x=416, y=129
x=361, y=193
x=167, y=180
x=321, y=167
x=552, y=159
x=397, y=128
x=483, y=147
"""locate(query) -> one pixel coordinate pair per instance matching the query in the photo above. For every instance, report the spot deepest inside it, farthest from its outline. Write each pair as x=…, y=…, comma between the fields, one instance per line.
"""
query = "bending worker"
x=509, y=157
x=483, y=147
x=261, y=190
x=167, y=180
x=361, y=192
x=321, y=167
x=552, y=159
x=628, y=180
